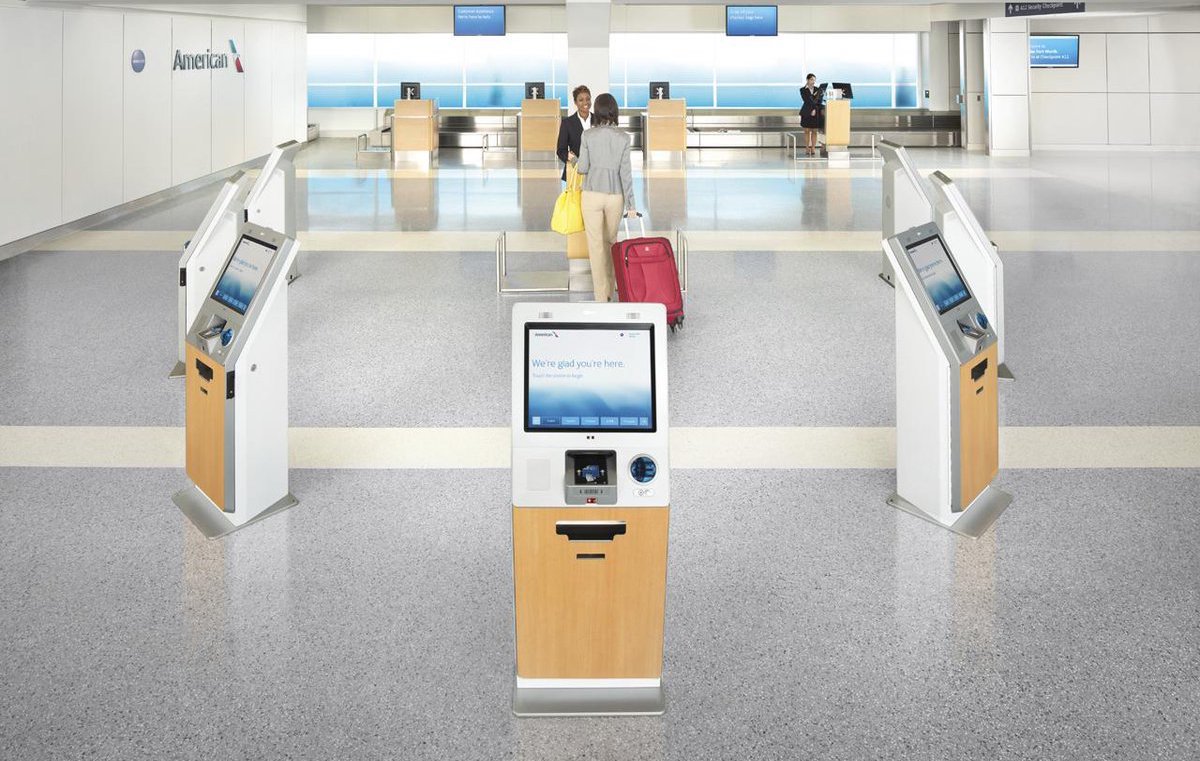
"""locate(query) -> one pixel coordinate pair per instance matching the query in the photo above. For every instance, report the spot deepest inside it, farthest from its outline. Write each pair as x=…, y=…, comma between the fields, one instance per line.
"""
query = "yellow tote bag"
x=568, y=209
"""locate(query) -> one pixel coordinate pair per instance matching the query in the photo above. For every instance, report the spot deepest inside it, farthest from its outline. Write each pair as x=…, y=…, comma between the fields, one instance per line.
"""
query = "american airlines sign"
x=207, y=59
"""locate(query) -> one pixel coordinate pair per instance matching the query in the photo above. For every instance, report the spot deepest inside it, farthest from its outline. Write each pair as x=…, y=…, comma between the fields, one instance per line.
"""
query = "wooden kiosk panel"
x=666, y=125
x=979, y=424
x=539, y=124
x=837, y=122
x=205, y=438
x=415, y=126
x=590, y=609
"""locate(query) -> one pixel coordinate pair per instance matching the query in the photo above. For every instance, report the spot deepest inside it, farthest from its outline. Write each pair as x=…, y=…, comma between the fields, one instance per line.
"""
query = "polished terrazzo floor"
x=805, y=619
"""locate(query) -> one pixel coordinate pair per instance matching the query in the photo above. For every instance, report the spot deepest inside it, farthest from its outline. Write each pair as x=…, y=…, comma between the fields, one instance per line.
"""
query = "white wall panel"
x=1128, y=62
x=31, y=79
x=228, y=96
x=1175, y=119
x=1174, y=62
x=1072, y=24
x=1069, y=118
x=93, y=145
x=1129, y=118
x=1009, y=64
x=146, y=119
x=191, y=103
x=258, y=60
x=283, y=99
x=300, y=82
x=1174, y=22
x=1091, y=76
x=1008, y=123
x=974, y=62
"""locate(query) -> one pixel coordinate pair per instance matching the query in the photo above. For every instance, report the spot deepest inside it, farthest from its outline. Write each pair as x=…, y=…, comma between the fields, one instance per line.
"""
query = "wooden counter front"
x=590, y=617
x=666, y=125
x=415, y=126
x=837, y=122
x=540, y=121
x=204, y=400
x=979, y=426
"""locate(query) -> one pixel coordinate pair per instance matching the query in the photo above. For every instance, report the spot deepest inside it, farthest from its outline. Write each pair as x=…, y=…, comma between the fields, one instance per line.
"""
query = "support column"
x=971, y=103
x=1006, y=72
x=588, y=24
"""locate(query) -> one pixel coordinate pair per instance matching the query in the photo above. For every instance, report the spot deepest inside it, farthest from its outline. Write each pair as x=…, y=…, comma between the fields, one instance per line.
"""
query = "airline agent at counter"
x=570, y=132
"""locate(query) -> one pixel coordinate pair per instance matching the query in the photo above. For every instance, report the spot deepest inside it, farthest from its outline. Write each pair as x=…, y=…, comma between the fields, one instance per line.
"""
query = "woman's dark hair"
x=581, y=89
x=604, y=110
x=810, y=76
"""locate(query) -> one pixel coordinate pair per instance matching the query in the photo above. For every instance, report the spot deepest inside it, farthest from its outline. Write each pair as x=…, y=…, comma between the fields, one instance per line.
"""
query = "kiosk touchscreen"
x=591, y=489
x=236, y=397
x=947, y=406
x=905, y=202
x=976, y=254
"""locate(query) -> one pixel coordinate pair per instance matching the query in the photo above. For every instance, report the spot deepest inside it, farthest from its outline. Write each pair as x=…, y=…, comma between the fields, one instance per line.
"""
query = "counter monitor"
x=243, y=274
x=589, y=377
x=938, y=273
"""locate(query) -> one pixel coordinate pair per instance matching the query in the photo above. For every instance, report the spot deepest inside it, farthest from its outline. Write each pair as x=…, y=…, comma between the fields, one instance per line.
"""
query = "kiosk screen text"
x=242, y=276
x=938, y=274
x=589, y=377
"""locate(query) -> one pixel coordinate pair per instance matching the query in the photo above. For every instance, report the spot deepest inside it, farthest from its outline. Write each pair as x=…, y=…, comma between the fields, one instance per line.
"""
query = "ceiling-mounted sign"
x=208, y=60
x=1041, y=9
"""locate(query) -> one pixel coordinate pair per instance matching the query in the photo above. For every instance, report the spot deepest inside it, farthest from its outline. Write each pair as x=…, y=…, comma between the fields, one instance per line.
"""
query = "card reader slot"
x=978, y=370
x=205, y=371
x=589, y=556
x=590, y=531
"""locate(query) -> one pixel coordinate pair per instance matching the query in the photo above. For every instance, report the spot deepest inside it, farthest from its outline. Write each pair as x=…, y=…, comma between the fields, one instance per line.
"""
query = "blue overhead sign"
x=1041, y=9
x=1054, y=51
x=479, y=20
x=751, y=20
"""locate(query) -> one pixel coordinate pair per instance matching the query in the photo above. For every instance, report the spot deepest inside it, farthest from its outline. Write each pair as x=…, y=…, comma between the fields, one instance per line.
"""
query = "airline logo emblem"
x=237, y=59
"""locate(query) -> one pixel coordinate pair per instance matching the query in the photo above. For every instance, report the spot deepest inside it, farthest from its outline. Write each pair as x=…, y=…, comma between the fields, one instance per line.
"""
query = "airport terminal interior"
x=315, y=442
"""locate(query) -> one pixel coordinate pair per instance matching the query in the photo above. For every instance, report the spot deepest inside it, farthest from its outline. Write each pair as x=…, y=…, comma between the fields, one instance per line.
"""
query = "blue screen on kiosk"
x=938, y=274
x=751, y=21
x=243, y=274
x=479, y=21
x=589, y=377
x=1054, y=51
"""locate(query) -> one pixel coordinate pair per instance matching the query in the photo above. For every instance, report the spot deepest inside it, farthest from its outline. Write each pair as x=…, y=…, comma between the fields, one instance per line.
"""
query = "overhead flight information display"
x=479, y=21
x=1054, y=51
x=938, y=274
x=751, y=21
x=589, y=377
x=242, y=276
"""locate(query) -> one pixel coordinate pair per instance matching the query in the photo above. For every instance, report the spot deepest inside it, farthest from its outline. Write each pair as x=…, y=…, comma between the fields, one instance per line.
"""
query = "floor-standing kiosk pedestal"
x=664, y=132
x=204, y=254
x=976, y=255
x=237, y=382
x=271, y=202
x=905, y=203
x=947, y=406
x=591, y=490
x=837, y=132
x=415, y=138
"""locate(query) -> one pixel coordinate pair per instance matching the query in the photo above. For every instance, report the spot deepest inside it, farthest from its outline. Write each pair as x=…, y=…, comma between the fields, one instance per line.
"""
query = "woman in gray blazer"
x=607, y=189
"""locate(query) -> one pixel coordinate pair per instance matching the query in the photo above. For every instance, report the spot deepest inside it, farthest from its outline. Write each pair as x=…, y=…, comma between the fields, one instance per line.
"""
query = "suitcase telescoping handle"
x=641, y=221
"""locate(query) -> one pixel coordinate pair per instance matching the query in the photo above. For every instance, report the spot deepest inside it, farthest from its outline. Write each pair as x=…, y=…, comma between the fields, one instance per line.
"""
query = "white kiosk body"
x=268, y=202
x=237, y=382
x=947, y=404
x=905, y=202
x=271, y=202
x=976, y=255
x=591, y=489
x=205, y=253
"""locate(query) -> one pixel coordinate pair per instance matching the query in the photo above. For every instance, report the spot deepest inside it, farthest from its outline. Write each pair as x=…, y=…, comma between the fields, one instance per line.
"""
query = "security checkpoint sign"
x=1041, y=9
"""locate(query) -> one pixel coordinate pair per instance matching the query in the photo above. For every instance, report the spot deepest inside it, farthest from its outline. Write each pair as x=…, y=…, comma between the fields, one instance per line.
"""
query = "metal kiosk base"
x=589, y=701
x=972, y=522
x=211, y=520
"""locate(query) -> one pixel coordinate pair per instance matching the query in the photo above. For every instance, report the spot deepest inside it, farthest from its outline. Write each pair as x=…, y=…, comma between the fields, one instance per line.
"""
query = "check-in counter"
x=837, y=131
x=415, y=132
x=664, y=131
x=537, y=129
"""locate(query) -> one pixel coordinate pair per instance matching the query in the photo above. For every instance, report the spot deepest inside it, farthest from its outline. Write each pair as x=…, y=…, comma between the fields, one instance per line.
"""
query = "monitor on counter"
x=243, y=274
x=751, y=21
x=1054, y=51
x=589, y=377
x=479, y=21
x=938, y=273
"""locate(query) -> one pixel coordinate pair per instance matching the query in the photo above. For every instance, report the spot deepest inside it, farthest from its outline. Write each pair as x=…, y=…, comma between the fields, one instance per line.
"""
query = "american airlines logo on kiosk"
x=208, y=60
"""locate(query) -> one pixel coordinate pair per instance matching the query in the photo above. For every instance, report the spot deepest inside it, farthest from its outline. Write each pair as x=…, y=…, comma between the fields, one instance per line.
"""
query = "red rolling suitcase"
x=647, y=274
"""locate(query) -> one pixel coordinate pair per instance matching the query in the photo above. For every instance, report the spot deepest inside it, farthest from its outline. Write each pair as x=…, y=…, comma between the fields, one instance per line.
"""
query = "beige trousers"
x=602, y=214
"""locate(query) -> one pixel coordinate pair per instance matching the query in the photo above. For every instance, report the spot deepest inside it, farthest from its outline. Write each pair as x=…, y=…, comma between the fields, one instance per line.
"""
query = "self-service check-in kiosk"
x=591, y=490
x=268, y=202
x=237, y=382
x=947, y=406
x=976, y=256
x=905, y=202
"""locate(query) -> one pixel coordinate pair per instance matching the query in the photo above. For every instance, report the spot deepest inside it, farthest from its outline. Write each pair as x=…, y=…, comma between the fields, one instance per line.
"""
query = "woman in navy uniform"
x=570, y=132
x=811, y=113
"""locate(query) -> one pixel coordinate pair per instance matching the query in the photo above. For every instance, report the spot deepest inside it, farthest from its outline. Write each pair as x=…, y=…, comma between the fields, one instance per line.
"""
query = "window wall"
x=365, y=70
x=712, y=70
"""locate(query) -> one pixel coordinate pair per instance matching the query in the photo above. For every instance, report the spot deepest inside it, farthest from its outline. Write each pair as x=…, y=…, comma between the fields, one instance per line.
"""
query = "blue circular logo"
x=137, y=61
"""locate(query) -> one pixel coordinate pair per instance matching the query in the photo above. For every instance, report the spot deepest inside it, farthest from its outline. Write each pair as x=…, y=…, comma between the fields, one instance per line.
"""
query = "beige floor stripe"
x=717, y=447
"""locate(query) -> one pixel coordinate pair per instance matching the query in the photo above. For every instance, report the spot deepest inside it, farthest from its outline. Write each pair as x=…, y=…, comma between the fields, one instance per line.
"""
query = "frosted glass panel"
x=340, y=59
x=906, y=58
x=760, y=60
x=495, y=96
x=854, y=58
x=684, y=58
x=447, y=96
x=759, y=96
x=434, y=58
x=341, y=96
x=513, y=59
